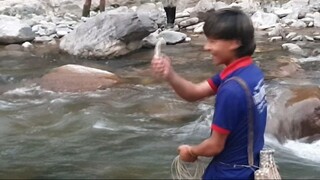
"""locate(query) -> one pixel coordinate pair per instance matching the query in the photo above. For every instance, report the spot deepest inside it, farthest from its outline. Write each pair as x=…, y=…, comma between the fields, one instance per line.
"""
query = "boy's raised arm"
x=185, y=89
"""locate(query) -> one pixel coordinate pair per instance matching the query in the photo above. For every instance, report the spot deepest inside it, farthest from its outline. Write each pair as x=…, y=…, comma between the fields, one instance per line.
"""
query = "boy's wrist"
x=191, y=152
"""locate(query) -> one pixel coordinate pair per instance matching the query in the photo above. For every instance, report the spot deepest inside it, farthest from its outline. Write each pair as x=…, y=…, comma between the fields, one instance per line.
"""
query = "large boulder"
x=76, y=78
x=295, y=114
x=109, y=34
x=12, y=30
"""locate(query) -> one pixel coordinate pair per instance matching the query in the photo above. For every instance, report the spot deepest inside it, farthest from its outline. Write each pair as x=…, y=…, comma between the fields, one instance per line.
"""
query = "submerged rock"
x=77, y=78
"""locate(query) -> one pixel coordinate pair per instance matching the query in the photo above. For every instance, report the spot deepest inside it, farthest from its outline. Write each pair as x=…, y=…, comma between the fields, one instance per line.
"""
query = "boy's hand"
x=161, y=67
x=186, y=154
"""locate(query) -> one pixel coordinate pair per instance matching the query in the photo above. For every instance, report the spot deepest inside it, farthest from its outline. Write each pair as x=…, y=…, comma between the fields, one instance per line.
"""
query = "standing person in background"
x=87, y=6
x=170, y=9
x=234, y=143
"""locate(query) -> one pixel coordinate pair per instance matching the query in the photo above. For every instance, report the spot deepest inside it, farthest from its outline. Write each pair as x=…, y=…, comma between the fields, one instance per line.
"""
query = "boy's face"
x=222, y=51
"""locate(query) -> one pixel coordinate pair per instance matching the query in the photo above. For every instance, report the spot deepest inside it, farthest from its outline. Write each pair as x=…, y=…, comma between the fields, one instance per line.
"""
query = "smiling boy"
x=230, y=40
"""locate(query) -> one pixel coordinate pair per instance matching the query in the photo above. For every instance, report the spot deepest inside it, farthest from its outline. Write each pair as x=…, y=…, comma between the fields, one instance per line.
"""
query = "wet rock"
x=293, y=48
x=300, y=114
x=13, y=47
x=12, y=30
x=172, y=37
x=76, y=78
x=109, y=34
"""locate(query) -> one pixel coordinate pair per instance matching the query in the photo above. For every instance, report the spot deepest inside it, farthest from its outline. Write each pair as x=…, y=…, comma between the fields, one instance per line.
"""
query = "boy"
x=230, y=40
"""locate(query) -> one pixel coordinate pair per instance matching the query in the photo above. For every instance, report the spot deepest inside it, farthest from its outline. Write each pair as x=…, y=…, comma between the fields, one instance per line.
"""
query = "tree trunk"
x=86, y=8
x=102, y=5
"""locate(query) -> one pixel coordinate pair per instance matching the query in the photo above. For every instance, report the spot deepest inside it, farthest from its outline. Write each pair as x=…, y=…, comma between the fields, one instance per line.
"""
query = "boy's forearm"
x=207, y=148
x=184, y=88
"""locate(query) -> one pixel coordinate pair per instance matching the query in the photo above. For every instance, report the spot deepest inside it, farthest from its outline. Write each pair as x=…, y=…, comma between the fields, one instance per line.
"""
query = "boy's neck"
x=231, y=60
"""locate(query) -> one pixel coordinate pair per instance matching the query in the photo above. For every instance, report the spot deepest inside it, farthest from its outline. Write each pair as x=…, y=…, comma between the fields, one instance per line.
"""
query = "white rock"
x=307, y=20
x=297, y=38
x=288, y=21
x=188, y=22
x=195, y=26
x=188, y=39
x=182, y=15
x=291, y=35
x=199, y=29
x=27, y=45
x=316, y=37
x=260, y=18
x=280, y=12
x=311, y=24
x=42, y=39
x=298, y=24
x=317, y=19
x=276, y=38
x=309, y=38
x=63, y=31
x=178, y=20
x=13, y=30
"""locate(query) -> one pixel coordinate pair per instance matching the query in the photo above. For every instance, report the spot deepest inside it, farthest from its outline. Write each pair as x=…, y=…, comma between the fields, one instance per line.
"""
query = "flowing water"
x=128, y=131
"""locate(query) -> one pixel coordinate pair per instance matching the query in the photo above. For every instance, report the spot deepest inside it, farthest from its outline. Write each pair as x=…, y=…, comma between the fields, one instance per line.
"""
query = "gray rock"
x=151, y=11
x=311, y=24
x=109, y=34
x=203, y=6
x=172, y=37
x=199, y=28
x=12, y=30
x=151, y=40
x=307, y=20
x=293, y=48
x=182, y=15
x=316, y=37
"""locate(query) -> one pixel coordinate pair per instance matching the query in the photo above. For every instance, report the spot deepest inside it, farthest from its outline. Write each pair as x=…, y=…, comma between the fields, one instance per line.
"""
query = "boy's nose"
x=206, y=47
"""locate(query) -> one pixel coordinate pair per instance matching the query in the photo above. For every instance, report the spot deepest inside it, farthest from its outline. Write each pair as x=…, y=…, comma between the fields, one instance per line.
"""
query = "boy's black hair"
x=231, y=24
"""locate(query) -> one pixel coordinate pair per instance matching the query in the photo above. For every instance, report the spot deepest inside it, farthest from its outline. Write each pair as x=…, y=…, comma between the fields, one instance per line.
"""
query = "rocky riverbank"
x=118, y=31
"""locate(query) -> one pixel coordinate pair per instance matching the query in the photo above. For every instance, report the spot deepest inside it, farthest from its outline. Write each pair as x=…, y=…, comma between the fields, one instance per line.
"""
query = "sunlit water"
x=128, y=131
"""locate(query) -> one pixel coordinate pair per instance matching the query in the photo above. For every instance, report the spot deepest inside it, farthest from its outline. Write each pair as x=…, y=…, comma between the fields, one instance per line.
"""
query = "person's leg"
x=171, y=15
x=170, y=9
x=86, y=8
x=102, y=5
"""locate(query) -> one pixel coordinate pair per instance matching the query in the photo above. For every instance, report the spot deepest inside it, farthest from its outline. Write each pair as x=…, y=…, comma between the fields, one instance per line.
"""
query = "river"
x=128, y=131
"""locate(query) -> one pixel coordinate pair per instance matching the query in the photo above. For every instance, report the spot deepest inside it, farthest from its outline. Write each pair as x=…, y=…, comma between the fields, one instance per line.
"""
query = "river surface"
x=128, y=131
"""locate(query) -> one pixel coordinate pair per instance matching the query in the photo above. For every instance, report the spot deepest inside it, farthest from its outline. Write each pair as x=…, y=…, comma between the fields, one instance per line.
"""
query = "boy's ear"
x=235, y=44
